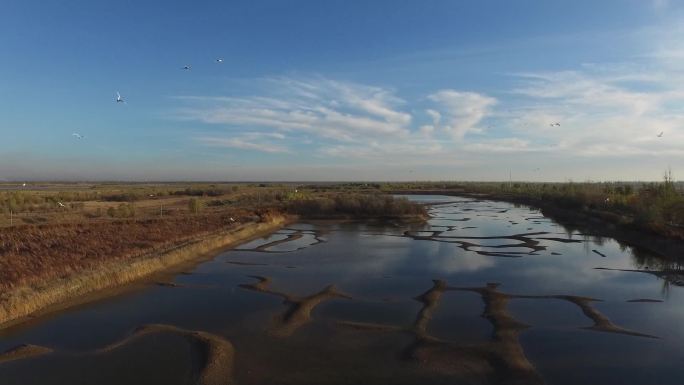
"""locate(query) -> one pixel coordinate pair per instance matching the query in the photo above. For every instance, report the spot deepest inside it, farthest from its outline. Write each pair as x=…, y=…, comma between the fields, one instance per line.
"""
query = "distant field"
x=54, y=230
x=647, y=204
x=58, y=203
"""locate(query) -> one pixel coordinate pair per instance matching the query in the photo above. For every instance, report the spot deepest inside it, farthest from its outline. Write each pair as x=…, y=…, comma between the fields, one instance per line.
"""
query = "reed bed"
x=106, y=258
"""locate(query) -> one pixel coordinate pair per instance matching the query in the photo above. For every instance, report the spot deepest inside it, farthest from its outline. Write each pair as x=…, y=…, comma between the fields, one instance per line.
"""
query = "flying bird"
x=23, y=185
x=60, y=204
x=77, y=135
x=555, y=124
x=119, y=99
x=661, y=134
x=187, y=67
x=219, y=60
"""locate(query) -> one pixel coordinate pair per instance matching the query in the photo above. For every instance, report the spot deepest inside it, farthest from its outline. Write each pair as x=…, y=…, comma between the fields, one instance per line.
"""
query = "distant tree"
x=124, y=210
x=195, y=205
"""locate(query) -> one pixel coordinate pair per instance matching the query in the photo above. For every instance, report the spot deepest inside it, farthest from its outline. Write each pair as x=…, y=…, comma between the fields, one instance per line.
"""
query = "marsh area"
x=485, y=292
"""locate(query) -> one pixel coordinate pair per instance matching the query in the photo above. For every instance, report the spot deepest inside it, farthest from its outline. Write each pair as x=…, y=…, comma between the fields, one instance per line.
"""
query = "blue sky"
x=342, y=90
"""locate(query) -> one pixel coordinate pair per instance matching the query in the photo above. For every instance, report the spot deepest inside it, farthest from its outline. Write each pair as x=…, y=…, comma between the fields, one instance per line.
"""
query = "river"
x=485, y=292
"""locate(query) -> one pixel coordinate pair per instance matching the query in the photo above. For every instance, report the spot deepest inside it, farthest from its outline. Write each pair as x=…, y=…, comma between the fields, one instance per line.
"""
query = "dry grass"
x=70, y=272
x=40, y=203
x=351, y=205
x=30, y=254
x=64, y=253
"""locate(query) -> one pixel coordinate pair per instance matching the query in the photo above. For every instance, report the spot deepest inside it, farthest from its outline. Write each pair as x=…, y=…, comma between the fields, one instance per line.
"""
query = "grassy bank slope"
x=32, y=282
x=115, y=236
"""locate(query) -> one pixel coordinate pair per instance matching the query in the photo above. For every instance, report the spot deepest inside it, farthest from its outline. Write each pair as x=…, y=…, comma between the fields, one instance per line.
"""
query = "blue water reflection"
x=468, y=243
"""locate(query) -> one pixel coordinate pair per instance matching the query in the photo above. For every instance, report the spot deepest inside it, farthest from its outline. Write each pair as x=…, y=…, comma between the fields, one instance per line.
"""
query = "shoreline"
x=601, y=224
x=23, y=303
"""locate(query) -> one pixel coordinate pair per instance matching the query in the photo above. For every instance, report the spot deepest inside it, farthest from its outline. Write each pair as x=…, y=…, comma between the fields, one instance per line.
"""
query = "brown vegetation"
x=352, y=205
x=101, y=237
x=53, y=271
x=30, y=254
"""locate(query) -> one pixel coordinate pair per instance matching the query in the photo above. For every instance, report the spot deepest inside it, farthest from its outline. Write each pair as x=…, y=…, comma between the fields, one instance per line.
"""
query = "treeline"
x=355, y=206
x=21, y=201
x=40, y=201
x=136, y=195
x=644, y=204
x=651, y=205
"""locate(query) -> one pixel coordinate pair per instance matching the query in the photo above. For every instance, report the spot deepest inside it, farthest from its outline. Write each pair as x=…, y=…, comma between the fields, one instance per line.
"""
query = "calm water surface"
x=509, y=288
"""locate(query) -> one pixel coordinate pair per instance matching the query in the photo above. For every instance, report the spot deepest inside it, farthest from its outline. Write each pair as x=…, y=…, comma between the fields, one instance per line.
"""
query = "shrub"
x=124, y=210
x=195, y=205
x=355, y=205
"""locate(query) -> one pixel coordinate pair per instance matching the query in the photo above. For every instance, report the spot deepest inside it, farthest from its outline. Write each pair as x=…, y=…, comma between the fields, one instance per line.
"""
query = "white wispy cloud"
x=321, y=107
x=256, y=141
x=610, y=113
x=660, y=5
x=505, y=145
x=602, y=112
x=387, y=151
x=462, y=111
x=581, y=89
x=348, y=120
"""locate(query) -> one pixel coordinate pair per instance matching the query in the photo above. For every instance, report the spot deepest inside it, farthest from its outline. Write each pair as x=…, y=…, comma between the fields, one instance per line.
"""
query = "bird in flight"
x=661, y=134
x=23, y=185
x=555, y=124
x=60, y=204
x=219, y=60
x=119, y=99
x=77, y=135
x=186, y=67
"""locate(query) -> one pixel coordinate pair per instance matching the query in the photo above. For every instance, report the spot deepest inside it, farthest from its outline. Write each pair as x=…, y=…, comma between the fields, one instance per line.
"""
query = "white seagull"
x=77, y=135
x=119, y=99
x=60, y=204
x=23, y=185
x=661, y=134
x=219, y=60
x=555, y=124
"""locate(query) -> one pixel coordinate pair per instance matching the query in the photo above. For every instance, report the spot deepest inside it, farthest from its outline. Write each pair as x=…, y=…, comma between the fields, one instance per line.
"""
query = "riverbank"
x=25, y=299
x=663, y=240
x=75, y=256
